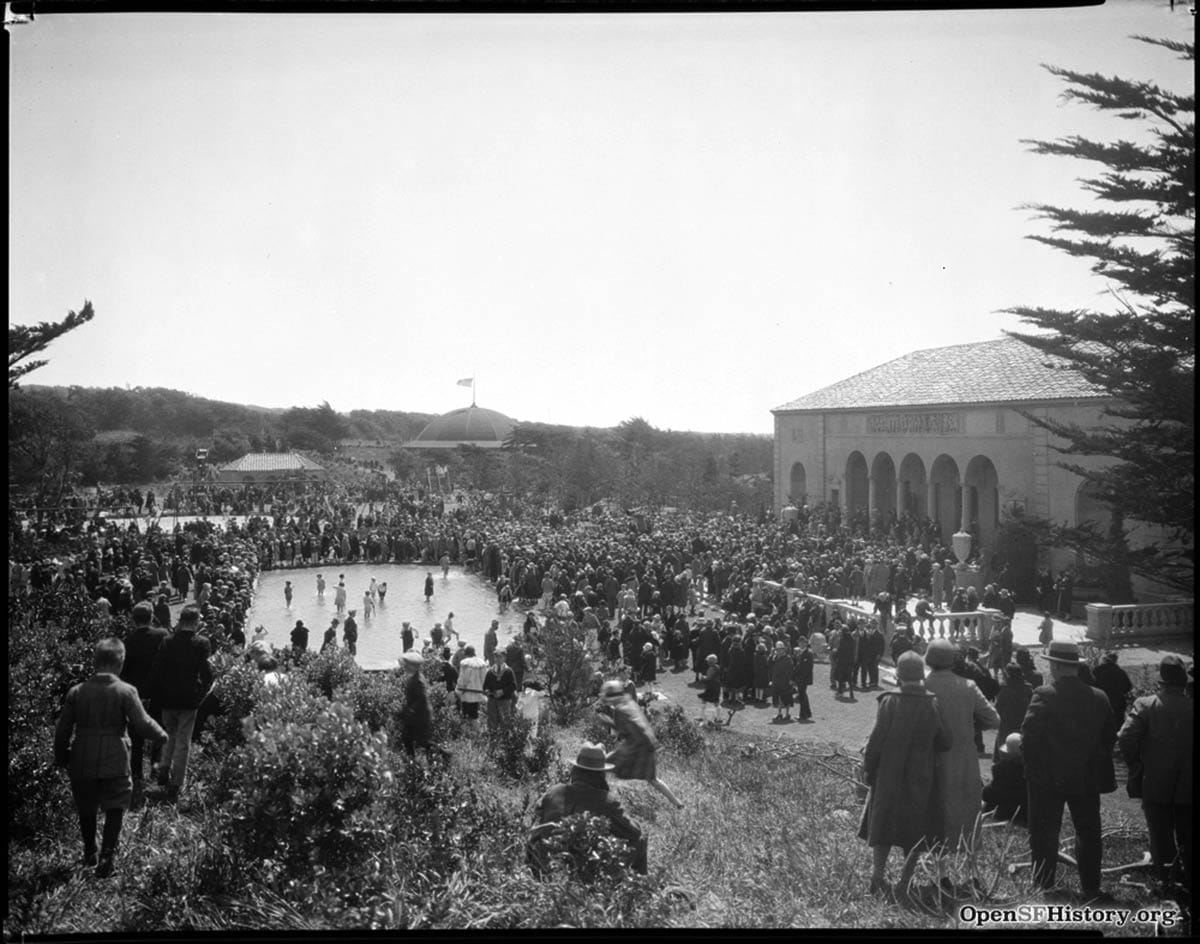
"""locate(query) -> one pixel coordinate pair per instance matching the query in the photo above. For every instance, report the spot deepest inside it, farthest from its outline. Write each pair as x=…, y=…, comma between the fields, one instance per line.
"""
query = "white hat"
x=412, y=657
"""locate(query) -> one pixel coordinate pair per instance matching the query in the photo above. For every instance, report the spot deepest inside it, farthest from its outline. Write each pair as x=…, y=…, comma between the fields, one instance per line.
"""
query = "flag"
x=466, y=382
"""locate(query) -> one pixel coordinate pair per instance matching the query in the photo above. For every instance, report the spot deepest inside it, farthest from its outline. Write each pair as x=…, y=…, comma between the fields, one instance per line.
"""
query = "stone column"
x=870, y=500
x=966, y=508
x=930, y=496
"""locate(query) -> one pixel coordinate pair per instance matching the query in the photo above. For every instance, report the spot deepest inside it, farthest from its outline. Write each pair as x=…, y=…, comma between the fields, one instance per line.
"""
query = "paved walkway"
x=849, y=723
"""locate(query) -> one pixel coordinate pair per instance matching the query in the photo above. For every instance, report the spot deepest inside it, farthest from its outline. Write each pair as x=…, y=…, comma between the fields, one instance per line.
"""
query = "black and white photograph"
x=615, y=469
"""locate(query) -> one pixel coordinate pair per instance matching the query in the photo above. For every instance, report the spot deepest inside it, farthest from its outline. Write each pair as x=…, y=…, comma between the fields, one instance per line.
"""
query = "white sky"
x=691, y=218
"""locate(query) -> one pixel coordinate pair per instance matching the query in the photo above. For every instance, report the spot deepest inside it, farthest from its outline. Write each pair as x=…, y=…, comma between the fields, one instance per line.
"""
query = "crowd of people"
x=630, y=595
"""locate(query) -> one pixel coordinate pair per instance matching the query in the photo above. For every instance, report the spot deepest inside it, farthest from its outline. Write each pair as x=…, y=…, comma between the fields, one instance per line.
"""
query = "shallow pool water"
x=471, y=599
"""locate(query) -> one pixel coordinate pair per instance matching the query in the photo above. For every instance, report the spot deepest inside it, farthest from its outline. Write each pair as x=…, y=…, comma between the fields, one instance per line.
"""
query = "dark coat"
x=782, y=670
x=141, y=646
x=1111, y=679
x=735, y=668
x=804, y=669
x=903, y=806
x=1012, y=701
x=416, y=720
x=1158, y=735
x=1067, y=739
x=579, y=796
x=181, y=675
x=1006, y=793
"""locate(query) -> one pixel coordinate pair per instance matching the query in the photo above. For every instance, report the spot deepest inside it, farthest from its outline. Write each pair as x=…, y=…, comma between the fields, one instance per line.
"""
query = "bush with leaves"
x=375, y=698
x=304, y=793
x=443, y=710
x=563, y=659
x=519, y=755
x=329, y=670
x=51, y=640
x=674, y=730
x=238, y=685
x=583, y=845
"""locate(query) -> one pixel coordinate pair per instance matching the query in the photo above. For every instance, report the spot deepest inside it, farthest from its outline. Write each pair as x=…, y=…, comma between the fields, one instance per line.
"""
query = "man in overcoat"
x=1067, y=738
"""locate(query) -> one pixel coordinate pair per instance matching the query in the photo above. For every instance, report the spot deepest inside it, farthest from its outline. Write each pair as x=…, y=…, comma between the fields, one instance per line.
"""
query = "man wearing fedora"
x=587, y=792
x=1067, y=738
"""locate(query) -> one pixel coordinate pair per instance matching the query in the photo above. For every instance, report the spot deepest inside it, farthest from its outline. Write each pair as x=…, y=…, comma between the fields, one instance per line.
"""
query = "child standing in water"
x=287, y=592
x=428, y=586
x=382, y=592
x=320, y=587
x=368, y=604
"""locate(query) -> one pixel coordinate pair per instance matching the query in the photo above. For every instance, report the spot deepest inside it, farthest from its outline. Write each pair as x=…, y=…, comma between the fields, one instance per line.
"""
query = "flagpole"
x=472, y=390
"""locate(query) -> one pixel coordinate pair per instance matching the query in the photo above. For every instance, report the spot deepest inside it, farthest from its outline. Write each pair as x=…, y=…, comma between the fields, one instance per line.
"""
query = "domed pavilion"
x=470, y=426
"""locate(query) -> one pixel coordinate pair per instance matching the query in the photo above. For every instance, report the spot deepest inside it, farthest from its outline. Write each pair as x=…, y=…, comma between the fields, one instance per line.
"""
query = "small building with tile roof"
x=940, y=433
x=258, y=468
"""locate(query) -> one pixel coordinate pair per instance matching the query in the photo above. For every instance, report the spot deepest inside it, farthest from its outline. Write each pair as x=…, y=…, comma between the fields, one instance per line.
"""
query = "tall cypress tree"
x=1142, y=241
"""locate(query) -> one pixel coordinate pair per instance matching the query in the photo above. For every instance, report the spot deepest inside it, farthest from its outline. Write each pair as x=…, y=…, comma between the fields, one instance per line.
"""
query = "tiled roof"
x=999, y=371
x=272, y=462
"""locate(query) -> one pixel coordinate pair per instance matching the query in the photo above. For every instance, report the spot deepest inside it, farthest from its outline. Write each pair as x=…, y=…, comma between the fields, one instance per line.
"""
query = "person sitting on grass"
x=587, y=792
x=1005, y=796
x=90, y=742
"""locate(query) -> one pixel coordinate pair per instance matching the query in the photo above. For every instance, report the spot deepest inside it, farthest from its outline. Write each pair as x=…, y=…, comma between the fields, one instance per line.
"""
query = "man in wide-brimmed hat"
x=586, y=792
x=1067, y=737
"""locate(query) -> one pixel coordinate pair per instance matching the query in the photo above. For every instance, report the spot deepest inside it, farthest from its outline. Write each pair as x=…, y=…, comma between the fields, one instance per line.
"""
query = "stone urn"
x=960, y=541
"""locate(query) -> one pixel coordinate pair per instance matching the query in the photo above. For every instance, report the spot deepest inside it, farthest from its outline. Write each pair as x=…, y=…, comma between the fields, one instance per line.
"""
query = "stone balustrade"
x=971, y=628
x=1110, y=624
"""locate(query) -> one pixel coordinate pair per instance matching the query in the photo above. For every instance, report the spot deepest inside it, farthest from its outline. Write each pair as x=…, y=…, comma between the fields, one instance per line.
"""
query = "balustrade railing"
x=1107, y=623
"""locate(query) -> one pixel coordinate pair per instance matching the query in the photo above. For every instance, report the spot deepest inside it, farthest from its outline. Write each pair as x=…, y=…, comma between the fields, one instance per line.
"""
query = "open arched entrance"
x=913, y=486
x=983, y=499
x=946, y=496
x=883, y=477
x=799, y=485
x=856, y=484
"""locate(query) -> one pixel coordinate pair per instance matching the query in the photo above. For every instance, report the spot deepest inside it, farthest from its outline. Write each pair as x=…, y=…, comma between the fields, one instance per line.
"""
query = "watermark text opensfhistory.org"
x=1038, y=914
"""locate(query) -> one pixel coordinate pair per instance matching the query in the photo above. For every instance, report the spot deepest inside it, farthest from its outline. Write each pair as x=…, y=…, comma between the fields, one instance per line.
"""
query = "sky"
x=688, y=218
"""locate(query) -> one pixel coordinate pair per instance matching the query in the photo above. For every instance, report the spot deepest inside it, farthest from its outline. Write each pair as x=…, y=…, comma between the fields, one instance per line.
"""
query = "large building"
x=471, y=426
x=938, y=433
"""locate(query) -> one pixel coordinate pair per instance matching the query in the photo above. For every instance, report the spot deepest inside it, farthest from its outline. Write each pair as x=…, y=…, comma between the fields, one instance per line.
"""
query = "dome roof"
x=473, y=425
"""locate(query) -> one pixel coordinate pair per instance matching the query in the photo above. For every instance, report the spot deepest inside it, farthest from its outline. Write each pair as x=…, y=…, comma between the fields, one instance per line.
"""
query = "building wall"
x=975, y=439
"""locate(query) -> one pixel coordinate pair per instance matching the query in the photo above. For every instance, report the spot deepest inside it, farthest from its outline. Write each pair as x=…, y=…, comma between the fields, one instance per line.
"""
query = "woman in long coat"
x=962, y=705
x=1011, y=702
x=899, y=765
x=762, y=673
x=735, y=670
x=635, y=756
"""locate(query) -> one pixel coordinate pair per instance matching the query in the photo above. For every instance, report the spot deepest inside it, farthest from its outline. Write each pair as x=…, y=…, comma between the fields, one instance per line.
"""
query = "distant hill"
x=59, y=435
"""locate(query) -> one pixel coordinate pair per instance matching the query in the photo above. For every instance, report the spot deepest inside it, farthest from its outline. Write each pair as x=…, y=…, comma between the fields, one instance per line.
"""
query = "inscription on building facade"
x=919, y=424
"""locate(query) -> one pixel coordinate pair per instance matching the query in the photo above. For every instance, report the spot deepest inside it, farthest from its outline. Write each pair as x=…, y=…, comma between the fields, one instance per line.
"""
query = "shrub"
x=330, y=670
x=443, y=708
x=563, y=660
x=675, y=730
x=51, y=636
x=518, y=755
x=583, y=845
x=303, y=794
x=238, y=687
x=374, y=697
